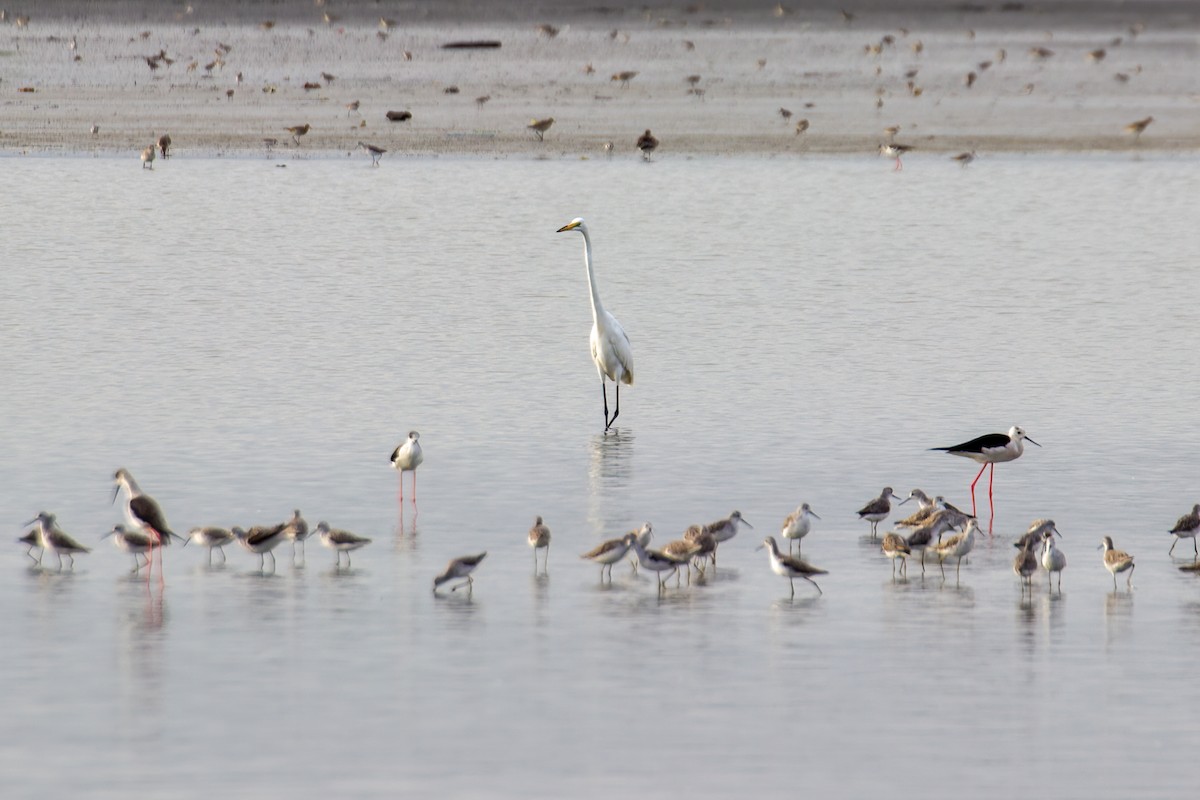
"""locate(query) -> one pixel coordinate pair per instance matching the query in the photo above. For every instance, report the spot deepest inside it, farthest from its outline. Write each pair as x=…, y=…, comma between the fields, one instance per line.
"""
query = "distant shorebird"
x=297, y=530
x=143, y=513
x=1187, y=527
x=646, y=143
x=894, y=547
x=376, y=153
x=786, y=113
x=148, y=157
x=797, y=525
x=539, y=539
x=922, y=537
x=212, y=538
x=957, y=546
x=297, y=131
x=54, y=539
x=540, y=126
x=801, y=126
x=683, y=551
x=461, y=567
x=341, y=541
x=95, y=129
x=877, y=510
x=644, y=534
x=964, y=158
x=790, y=568
x=1036, y=533
x=624, y=77
x=893, y=150
x=352, y=107
x=261, y=539
x=406, y=458
x=134, y=542
x=891, y=131
x=610, y=552
x=725, y=529
x=1053, y=559
x=970, y=79
x=990, y=449
x=1096, y=56
x=164, y=145
x=33, y=539
x=482, y=100
x=705, y=543
x=1136, y=128
x=608, y=149
x=654, y=561
x=1040, y=53
x=1117, y=561
x=1025, y=564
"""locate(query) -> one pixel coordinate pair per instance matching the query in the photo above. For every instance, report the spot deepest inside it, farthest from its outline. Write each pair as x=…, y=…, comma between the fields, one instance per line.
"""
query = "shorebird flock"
x=908, y=77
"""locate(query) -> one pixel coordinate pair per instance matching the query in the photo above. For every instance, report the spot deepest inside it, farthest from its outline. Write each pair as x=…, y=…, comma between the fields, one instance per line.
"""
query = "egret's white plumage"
x=610, y=346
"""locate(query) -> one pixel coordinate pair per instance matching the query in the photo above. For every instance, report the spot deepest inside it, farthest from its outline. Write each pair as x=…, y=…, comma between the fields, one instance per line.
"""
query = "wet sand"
x=849, y=79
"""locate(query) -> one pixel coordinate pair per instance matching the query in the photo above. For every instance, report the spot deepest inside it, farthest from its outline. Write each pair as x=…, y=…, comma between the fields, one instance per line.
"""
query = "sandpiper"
x=352, y=108
x=706, y=544
x=376, y=153
x=797, y=525
x=964, y=158
x=646, y=144
x=1117, y=561
x=1025, y=564
x=644, y=534
x=406, y=458
x=990, y=449
x=610, y=552
x=927, y=508
x=213, y=538
x=460, y=567
x=725, y=529
x=33, y=539
x=1186, y=528
x=789, y=567
x=801, y=126
x=148, y=158
x=297, y=131
x=894, y=547
x=341, y=541
x=1053, y=559
x=297, y=530
x=894, y=150
x=135, y=542
x=877, y=510
x=654, y=561
x=55, y=539
x=164, y=145
x=540, y=126
x=539, y=539
x=482, y=100
x=957, y=546
x=261, y=539
x=682, y=551
x=624, y=77
x=1033, y=536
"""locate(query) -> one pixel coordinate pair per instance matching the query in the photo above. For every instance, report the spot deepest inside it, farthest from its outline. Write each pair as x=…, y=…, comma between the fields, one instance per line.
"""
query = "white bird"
x=797, y=525
x=406, y=458
x=1053, y=559
x=610, y=346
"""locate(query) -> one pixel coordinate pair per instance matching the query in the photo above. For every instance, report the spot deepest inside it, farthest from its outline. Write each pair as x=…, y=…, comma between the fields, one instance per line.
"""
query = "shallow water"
x=247, y=339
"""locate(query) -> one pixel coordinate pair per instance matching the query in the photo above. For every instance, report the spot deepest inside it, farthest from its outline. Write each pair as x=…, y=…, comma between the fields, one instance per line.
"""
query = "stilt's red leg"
x=991, y=505
x=414, y=486
x=977, y=476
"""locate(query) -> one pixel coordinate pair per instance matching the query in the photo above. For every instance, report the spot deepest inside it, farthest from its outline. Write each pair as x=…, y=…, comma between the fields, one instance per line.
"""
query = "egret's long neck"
x=593, y=292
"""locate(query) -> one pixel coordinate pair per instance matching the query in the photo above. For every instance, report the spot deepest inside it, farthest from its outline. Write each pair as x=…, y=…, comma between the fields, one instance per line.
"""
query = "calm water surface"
x=247, y=339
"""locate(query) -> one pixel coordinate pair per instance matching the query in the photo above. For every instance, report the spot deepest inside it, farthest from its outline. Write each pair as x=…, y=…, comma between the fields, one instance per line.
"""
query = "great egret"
x=610, y=346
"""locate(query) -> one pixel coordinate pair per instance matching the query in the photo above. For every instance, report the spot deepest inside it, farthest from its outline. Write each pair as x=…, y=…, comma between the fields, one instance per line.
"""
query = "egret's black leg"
x=604, y=392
